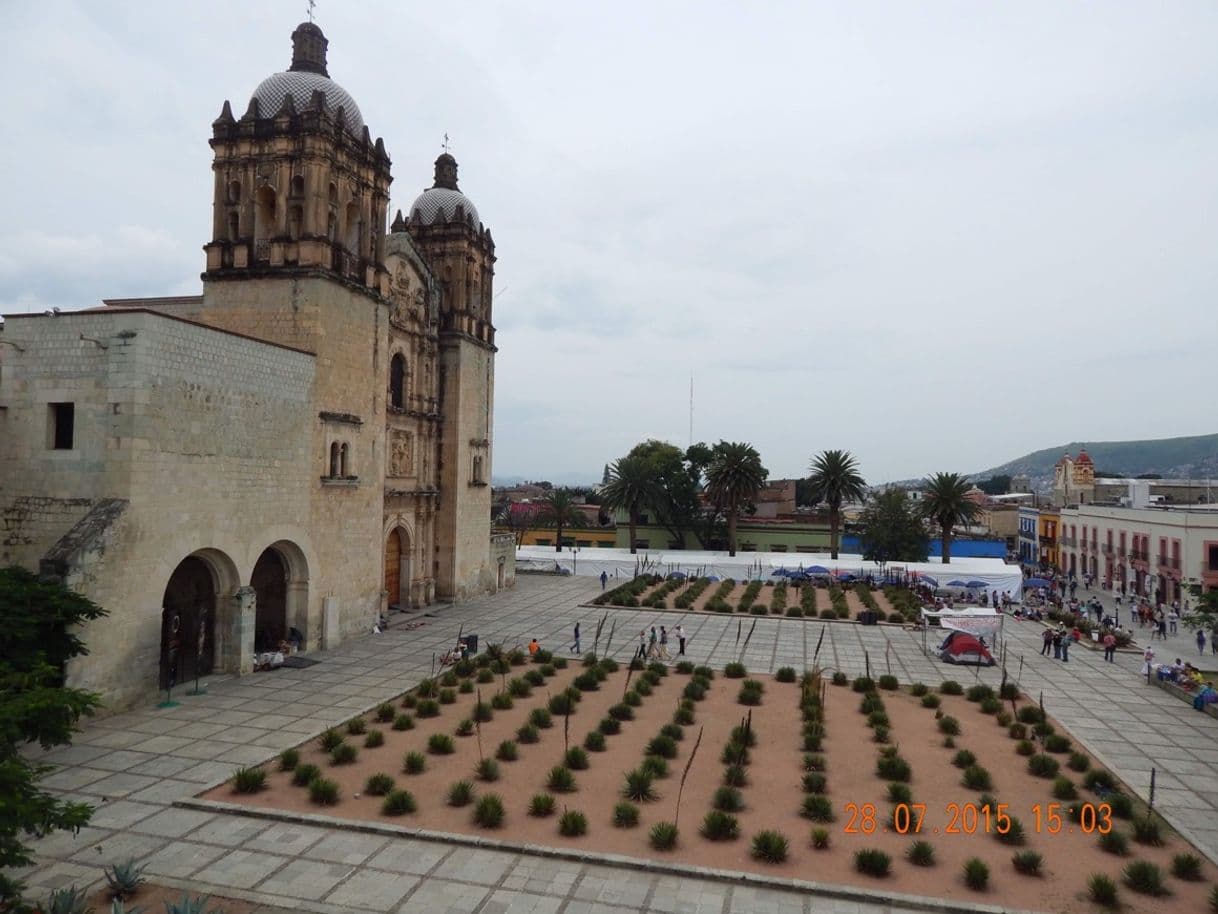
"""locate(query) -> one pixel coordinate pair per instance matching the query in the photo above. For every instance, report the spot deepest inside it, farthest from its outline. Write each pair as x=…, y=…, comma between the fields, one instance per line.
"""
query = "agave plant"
x=188, y=905
x=117, y=907
x=68, y=901
x=124, y=879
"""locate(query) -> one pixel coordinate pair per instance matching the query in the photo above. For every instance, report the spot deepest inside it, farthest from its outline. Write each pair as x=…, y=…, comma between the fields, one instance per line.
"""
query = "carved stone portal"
x=401, y=453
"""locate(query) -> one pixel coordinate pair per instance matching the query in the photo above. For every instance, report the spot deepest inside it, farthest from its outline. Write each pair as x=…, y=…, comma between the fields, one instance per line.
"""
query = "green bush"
x=1043, y=766
x=1027, y=862
x=289, y=759
x=609, y=726
x=465, y=728
x=1115, y=842
x=977, y=778
x=663, y=836
x=625, y=815
x=302, y=775
x=540, y=718
x=899, y=793
x=460, y=794
x=949, y=726
x=621, y=712
x=595, y=741
x=918, y=689
x=655, y=766
x=576, y=759
x=963, y=759
x=572, y=824
x=951, y=687
x=720, y=826
x=1057, y=743
x=990, y=706
x=467, y=686
x=888, y=682
x=356, y=726
x=560, y=780
x=448, y=696
x=863, y=684
x=487, y=769
x=1144, y=878
x=343, y=754
x=329, y=739
x=528, y=734
x=501, y=701
x=1025, y=747
x=1121, y=805
x=979, y=692
x=638, y=786
x=1098, y=779
x=482, y=712
x=323, y=792
x=820, y=838
x=735, y=670
x=440, y=744
x=814, y=782
x=374, y=739
x=249, y=780
x=1064, y=789
x=931, y=700
x=398, y=803
x=817, y=807
x=785, y=674
x=839, y=678
x=814, y=762
x=1014, y=835
x=663, y=746
x=1146, y=831
x=769, y=847
x=727, y=799
x=403, y=722
x=379, y=785
x=542, y=805
x=1186, y=867
x=489, y=811
x=485, y=676
x=683, y=717
x=428, y=707
x=735, y=776
x=920, y=853
x=976, y=874
x=1030, y=714
x=1078, y=762
x=1018, y=731
x=893, y=768
x=673, y=731
x=1102, y=890
x=873, y=862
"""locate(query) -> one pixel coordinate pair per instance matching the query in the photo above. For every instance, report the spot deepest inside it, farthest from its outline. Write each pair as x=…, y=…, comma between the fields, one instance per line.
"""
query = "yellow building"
x=1048, y=536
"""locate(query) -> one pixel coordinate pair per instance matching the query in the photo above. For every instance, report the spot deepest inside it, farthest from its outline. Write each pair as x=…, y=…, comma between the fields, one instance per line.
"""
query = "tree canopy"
x=945, y=501
x=733, y=479
x=892, y=529
x=835, y=479
x=560, y=508
x=38, y=622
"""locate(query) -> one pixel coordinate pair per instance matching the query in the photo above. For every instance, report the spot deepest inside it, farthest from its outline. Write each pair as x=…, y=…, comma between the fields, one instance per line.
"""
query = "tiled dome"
x=439, y=204
x=301, y=84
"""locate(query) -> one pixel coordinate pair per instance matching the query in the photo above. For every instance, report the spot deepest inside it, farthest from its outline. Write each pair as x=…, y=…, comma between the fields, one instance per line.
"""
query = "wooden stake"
x=681, y=789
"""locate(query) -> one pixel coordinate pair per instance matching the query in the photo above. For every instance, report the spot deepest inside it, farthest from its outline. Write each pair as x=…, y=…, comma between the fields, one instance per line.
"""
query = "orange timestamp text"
x=973, y=818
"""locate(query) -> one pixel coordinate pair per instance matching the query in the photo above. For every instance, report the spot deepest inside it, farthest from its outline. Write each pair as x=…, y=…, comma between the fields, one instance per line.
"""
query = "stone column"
x=240, y=635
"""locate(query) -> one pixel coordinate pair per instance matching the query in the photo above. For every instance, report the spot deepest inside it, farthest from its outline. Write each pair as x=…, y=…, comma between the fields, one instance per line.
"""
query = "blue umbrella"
x=933, y=582
x=956, y=584
x=1036, y=582
x=677, y=576
x=780, y=573
x=713, y=577
x=817, y=569
x=845, y=577
x=973, y=585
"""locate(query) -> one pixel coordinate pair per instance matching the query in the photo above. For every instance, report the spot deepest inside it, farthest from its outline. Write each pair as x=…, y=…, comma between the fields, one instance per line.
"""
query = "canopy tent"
x=747, y=566
x=961, y=647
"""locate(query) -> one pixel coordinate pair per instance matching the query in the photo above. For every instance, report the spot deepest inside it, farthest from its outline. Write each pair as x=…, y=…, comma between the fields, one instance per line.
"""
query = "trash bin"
x=868, y=617
x=471, y=643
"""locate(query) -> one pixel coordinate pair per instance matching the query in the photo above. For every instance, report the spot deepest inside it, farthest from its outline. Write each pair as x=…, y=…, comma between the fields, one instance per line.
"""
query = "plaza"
x=136, y=766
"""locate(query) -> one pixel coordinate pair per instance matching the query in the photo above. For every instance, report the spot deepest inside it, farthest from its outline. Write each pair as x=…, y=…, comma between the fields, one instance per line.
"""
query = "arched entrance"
x=397, y=569
x=270, y=583
x=188, y=622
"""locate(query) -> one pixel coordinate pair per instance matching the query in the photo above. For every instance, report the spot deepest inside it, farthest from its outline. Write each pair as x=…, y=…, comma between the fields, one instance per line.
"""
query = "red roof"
x=1084, y=457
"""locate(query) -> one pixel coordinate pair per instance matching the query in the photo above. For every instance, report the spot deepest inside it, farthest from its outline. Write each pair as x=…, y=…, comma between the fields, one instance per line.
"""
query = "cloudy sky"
x=939, y=235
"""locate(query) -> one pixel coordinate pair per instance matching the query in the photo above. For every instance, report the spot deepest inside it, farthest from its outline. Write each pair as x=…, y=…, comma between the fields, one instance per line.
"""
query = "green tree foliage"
x=560, y=508
x=996, y=485
x=38, y=624
x=733, y=479
x=892, y=529
x=632, y=487
x=835, y=479
x=945, y=501
x=1205, y=613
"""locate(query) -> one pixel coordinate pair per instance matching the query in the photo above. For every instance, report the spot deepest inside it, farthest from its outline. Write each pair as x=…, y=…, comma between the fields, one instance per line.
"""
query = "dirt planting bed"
x=811, y=762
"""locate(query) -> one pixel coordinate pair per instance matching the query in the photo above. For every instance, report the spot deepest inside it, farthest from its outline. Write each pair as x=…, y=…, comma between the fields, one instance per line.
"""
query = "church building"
x=300, y=448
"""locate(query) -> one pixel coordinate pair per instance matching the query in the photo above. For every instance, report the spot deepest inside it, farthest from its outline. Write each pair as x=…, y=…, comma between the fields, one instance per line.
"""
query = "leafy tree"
x=996, y=485
x=733, y=479
x=892, y=530
x=835, y=478
x=560, y=508
x=1204, y=614
x=631, y=487
x=38, y=624
x=945, y=501
x=519, y=519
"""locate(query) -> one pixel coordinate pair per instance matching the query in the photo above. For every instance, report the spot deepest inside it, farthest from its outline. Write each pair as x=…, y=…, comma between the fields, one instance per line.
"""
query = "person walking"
x=642, y=651
x=1109, y=646
x=1047, y=638
x=664, y=655
x=1173, y=620
x=1148, y=659
x=680, y=633
x=604, y=579
x=1162, y=626
x=575, y=644
x=651, y=643
x=1057, y=644
x=1066, y=639
x=1201, y=641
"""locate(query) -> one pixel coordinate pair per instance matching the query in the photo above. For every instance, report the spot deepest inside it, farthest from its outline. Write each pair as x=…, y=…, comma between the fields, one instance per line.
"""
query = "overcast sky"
x=938, y=235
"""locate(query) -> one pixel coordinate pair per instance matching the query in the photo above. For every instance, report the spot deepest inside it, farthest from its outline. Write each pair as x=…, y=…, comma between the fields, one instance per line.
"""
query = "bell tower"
x=445, y=227
x=299, y=183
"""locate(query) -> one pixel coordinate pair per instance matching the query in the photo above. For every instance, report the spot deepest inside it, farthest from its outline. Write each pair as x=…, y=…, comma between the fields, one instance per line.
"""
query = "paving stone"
x=121, y=814
x=305, y=879
x=180, y=859
x=404, y=855
x=351, y=848
x=475, y=865
x=435, y=896
x=509, y=902
x=121, y=784
x=286, y=838
x=371, y=890
x=173, y=823
x=229, y=831
x=241, y=869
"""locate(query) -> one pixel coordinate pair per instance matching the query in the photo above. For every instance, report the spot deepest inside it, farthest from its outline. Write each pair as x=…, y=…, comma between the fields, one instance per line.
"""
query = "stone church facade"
x=303, y=446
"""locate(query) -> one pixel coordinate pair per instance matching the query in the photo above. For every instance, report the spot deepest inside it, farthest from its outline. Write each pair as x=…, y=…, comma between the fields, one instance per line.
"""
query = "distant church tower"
x=445, y=227
x=299, y=184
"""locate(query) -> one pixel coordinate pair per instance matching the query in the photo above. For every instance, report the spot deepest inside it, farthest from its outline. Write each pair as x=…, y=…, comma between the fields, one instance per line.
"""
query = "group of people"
x=1059, y=640
x=655, y=646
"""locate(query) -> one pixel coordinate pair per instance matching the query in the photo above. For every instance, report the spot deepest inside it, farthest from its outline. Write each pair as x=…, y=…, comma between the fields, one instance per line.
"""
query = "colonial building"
x=302, y=446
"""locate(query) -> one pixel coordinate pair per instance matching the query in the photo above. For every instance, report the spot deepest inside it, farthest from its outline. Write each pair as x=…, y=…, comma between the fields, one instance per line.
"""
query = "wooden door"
x=393, y=568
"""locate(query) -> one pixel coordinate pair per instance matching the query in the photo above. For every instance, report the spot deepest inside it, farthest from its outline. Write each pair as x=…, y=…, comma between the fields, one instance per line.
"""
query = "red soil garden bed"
x=773, y=797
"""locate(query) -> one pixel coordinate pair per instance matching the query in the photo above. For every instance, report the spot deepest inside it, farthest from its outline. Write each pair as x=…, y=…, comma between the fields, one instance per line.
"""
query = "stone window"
x=397, y=382
x=234, y=191
x=234, y=225
x=295, y=219
x=298, y=186
x=61, y=426
x=477, y=480
x=334, y=460
x=344, y=461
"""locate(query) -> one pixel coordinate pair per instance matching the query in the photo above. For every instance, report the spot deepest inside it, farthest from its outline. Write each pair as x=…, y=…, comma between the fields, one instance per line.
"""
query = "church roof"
x=438, y=204
x=308, y=74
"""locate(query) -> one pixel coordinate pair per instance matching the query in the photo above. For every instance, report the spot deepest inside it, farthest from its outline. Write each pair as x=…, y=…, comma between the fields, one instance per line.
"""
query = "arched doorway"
x=397, y=569
x=270, y=583
x=188, y=622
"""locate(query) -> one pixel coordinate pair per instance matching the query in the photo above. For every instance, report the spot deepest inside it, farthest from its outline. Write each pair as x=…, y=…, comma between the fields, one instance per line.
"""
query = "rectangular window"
x=748, y=547
x=61, y=426
x=812, y=549
x=777, y=548
x=1213, y=558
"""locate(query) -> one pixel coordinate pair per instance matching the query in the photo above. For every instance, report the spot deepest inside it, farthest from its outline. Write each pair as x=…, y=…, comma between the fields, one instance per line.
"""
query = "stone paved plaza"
x=134, y=766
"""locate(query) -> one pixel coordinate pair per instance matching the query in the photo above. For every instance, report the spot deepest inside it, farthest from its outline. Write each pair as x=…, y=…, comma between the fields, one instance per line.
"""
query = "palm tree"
x=559, y=507
x=630, y=486
x=733, y=479
x=834, y=479
x=945, y=501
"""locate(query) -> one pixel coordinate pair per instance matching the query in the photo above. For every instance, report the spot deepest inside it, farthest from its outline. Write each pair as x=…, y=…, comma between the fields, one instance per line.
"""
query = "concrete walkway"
x=134, y=766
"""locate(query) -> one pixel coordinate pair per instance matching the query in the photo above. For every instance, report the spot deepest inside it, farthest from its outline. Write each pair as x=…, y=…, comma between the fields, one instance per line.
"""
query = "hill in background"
x=1194, y=457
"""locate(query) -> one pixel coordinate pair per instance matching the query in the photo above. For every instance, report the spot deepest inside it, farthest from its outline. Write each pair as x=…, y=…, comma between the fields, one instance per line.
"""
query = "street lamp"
x=574, y=561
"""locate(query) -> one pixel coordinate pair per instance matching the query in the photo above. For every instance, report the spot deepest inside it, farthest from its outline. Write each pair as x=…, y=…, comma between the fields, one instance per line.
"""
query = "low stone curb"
x=1172, y=689
x=826, y=890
